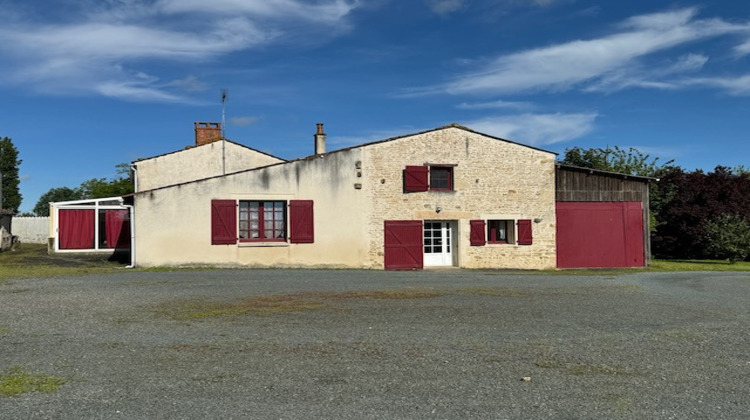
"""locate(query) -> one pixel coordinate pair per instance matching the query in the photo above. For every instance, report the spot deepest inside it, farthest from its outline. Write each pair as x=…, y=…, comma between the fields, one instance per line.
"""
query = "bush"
x=728, y=237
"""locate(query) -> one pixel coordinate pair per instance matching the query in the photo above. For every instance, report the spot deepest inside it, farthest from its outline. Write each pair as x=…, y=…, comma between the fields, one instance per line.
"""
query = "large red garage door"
x=599, y=234
x=403, y=245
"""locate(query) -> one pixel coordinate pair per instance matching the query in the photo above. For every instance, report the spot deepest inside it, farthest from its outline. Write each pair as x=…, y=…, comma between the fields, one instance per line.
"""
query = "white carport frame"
x=112, y=203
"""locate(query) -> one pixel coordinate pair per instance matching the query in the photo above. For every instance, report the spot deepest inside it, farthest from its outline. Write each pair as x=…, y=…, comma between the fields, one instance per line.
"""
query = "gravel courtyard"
x=452, y=344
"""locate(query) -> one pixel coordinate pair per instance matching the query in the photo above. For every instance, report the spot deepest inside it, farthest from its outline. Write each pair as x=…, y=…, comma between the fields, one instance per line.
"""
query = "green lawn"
x=32, y=260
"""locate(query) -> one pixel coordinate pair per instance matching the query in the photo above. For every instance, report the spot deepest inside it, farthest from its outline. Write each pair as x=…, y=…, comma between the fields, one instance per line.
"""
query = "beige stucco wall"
x=173, y=225
x=493, y=179
x=197, y=163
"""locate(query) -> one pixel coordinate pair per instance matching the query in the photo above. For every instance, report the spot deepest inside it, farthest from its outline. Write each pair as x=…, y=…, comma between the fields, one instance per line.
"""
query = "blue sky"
x=88, y=84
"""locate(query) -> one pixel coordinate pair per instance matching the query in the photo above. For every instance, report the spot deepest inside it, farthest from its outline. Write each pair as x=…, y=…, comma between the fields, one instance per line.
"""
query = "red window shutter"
x=301, y=222
x=477, y=233
x=415, y=178
x=223, y=222
x=524, y=232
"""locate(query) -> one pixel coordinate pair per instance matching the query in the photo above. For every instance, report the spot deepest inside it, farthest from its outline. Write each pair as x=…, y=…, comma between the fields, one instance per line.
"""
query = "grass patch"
x=698, y=265
x=187, y=309
x=579, y=369
x=262, y=306
x=493, y=291
x=17, y=381
x=32, y=261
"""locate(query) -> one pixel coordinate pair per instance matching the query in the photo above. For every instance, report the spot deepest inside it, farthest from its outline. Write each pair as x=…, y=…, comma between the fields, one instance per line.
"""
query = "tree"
x=9, y=162
x=55, y=195
x=630, y=161
x=728, y=236
x=101, y=187
x=690, y=199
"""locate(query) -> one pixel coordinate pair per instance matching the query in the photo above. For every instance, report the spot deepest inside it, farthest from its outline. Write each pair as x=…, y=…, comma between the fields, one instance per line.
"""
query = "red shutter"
x=223, y=222
x=477, y=233
x=415, y=178
x=524, y=232
x=301, y=226
x=403, y=245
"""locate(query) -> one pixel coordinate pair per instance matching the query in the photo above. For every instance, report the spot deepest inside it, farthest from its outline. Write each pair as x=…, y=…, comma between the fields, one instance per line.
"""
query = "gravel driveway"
x=371, y=344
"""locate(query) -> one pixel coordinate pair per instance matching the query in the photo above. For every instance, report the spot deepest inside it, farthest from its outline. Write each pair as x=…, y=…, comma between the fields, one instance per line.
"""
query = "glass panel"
x=243, y=225
x=268, y=233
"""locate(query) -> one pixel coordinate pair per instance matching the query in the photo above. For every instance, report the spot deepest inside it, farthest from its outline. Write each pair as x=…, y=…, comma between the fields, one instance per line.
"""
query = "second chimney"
x=207, y=132
x=320, y=140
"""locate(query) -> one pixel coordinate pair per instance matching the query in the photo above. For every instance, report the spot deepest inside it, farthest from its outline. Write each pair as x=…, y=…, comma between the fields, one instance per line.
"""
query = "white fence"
x=31, y=230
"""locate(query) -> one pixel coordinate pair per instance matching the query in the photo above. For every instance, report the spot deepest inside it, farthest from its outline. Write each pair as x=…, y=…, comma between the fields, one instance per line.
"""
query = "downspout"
x=134, y=171
x=132, y=236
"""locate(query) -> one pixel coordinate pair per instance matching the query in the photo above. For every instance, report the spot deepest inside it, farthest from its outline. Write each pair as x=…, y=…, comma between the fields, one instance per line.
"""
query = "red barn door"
x=403, y=245
x=600, y=234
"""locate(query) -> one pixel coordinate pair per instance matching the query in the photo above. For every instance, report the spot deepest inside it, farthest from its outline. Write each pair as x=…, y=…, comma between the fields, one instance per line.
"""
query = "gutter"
x=132, y=237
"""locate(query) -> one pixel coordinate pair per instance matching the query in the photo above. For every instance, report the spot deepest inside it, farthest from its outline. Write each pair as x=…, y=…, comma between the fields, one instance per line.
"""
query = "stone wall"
x=493, y=179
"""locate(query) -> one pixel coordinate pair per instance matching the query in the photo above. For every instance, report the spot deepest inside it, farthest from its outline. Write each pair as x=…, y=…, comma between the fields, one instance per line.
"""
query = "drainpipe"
x=132, y=236
x=134, y=171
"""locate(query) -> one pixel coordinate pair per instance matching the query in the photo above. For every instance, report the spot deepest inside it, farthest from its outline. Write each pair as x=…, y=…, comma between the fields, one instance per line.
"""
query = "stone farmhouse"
x=447, y=197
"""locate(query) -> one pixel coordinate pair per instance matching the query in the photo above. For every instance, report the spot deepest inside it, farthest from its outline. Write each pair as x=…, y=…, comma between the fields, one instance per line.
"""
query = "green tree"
x=55, y=195
x=9, y=162
x=630, y=161
x=728, y=236
x=120, y=185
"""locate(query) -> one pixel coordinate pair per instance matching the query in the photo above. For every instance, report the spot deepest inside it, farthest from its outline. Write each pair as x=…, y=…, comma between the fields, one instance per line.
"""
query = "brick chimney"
x=320, y=140
x=207, y=132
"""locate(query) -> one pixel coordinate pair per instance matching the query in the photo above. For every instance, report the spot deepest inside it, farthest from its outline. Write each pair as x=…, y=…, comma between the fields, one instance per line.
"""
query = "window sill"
x=256, y=244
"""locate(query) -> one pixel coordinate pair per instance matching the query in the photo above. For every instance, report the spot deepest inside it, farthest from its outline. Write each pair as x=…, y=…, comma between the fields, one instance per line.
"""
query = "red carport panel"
x=599, y=234
x=403, y=245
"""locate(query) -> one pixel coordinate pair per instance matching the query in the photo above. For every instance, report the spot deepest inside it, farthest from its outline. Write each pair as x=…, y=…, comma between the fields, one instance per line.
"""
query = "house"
x=444, y=197
x=447, y=197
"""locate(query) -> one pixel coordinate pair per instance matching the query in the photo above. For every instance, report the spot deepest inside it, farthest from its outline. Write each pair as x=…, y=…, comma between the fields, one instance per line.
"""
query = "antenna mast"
x=223, y=133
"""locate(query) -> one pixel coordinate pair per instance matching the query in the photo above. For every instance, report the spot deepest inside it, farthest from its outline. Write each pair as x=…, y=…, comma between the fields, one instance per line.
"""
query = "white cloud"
x=100, y=51
x=243, y=121
x=499, y=104
x=581, y=63
x=537, y=129
x=325, y=11
x=444, y=7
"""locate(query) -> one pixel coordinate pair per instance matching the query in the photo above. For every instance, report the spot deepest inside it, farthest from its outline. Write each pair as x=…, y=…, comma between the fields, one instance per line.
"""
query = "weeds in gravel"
x=265, y=305
x=188, y=309
x=578, y=369
x=17, y=381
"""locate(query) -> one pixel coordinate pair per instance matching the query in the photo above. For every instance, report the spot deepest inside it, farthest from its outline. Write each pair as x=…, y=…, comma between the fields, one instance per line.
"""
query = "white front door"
x=438, y=243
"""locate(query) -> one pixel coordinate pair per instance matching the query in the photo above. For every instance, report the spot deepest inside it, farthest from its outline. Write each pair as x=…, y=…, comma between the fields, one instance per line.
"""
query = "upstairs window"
x=428, y=178
x=441, y=178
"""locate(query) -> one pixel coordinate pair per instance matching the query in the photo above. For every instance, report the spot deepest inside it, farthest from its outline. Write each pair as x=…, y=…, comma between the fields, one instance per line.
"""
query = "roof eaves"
x=608, y=173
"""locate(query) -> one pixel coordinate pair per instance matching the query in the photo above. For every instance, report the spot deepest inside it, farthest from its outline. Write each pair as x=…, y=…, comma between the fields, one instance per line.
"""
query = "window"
x=441, y=178
x=262, y=221
x=428, y=178
x=500, y=231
